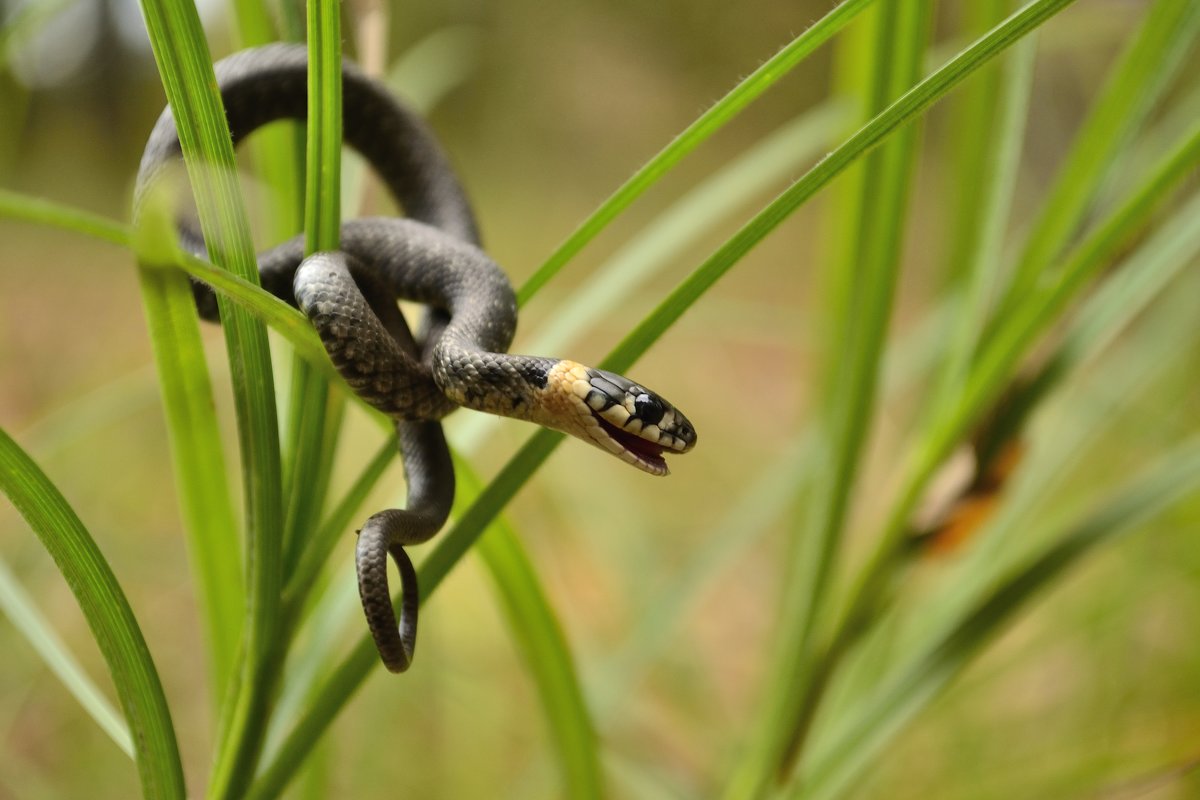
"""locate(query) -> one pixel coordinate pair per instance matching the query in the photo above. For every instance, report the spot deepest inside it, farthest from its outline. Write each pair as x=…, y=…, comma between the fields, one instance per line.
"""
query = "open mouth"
x=643, y=453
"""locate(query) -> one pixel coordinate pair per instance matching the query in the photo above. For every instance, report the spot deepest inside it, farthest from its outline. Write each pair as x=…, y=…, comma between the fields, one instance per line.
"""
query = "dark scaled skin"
x=458, y=359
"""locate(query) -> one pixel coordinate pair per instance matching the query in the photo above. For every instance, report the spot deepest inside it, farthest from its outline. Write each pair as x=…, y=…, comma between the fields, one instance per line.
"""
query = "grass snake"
x=458, y=358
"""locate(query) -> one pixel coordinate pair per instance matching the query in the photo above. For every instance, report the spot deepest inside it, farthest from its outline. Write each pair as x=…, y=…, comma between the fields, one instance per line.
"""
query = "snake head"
x=625, y=418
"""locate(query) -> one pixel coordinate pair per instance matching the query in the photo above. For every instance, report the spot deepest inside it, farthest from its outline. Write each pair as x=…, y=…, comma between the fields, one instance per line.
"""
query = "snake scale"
x=458, y=359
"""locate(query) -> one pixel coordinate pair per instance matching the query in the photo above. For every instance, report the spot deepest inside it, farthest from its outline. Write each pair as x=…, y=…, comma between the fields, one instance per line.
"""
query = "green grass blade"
x=312, y=415
x=334, y=527
x=199, y=463
x=859, y=737
x=1143, y=276
x=748, y=517
x=997, y=363
x=349, y=674
x=184, y=62
x=543, y=645
x=1142, y=73
x=15, y=205
x=286, y=321
x=870, y=269
x=971, y=157
x=979, y=240
x=1019, y=332
x=201, y=476
x=323, y=204
x=866, y=138
x=705, y=126
x=661, y=243
x=108, y=615
x=21, y=610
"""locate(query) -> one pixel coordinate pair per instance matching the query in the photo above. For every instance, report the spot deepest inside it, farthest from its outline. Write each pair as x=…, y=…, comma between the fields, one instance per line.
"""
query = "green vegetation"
x=1056, y=322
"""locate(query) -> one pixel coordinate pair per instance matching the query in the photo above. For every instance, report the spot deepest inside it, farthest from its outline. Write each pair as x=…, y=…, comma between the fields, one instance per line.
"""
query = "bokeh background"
x=559, y=104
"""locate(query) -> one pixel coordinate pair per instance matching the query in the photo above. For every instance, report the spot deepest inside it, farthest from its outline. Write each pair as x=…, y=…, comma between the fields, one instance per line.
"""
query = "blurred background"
x=557, y=105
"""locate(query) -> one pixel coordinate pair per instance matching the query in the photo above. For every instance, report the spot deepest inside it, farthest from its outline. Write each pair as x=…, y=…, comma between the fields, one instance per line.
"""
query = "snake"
x=457, y=359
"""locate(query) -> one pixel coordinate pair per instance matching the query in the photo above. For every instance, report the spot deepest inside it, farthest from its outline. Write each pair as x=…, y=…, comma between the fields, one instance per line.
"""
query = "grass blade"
x=196, y=449
x=848, y=749
x=903, y=110
x=108, y=615
x=705, y=126
x=333, y=528
x=184, y=62
x=544, y=648
x=286, y=321
x=661, y=242
x=15, y=205
x=1144, y=70
x=1002, y=354
x=20, y=608
x=979, y=240
x=198, y=457
x=870, y=270
x=972, y=163
x=309, y=428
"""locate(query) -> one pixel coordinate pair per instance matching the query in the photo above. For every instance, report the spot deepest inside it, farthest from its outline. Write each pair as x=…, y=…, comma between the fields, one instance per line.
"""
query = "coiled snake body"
x=459, y=358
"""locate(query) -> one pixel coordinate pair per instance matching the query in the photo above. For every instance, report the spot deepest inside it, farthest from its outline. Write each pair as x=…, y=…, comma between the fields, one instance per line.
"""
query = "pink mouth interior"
x=643, y=448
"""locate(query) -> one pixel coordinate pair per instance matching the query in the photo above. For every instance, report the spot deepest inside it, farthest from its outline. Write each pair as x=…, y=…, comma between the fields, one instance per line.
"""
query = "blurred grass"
x=867, y=277
x=670, y=732
x=108, y=613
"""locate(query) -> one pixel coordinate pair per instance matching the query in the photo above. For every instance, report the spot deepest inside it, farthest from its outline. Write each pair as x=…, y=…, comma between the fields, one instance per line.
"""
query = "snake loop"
x=460, y=356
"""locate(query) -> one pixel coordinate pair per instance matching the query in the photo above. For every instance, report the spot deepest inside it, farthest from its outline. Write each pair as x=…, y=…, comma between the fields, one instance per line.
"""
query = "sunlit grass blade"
x=201, y=475
x=662, y=242
x=15, y=205
x=108, y=615
x=1143, y=276
x=349, y=674
x=1001, y=356
x=860, y=736
x=869, y=136
x=308, y=427
x=1092, y=399
x=748, y=517
x=1143, y=72
x=705, y=126
x=870, y=270
x=543, y=645
x=971, y=151
x=286, y=321
x=185, y=65
x=23, y=612
x=334, y=528
x=991, y=186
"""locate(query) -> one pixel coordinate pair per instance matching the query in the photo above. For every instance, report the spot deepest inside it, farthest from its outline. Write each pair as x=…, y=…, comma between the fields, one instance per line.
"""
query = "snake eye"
x=648, y=409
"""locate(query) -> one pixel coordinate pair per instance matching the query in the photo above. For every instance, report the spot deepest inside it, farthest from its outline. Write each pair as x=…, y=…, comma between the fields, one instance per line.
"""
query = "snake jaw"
x=618, y=416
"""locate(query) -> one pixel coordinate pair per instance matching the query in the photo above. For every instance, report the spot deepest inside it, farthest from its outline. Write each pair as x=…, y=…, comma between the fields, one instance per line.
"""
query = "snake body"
x=459, y=359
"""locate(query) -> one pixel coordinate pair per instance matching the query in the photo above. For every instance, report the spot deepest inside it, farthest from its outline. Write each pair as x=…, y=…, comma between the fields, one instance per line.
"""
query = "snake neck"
x=495, y=383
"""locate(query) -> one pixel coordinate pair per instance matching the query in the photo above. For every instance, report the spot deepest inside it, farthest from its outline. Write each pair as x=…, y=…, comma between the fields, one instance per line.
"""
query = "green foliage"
x=851, y=665
x=108, y=613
